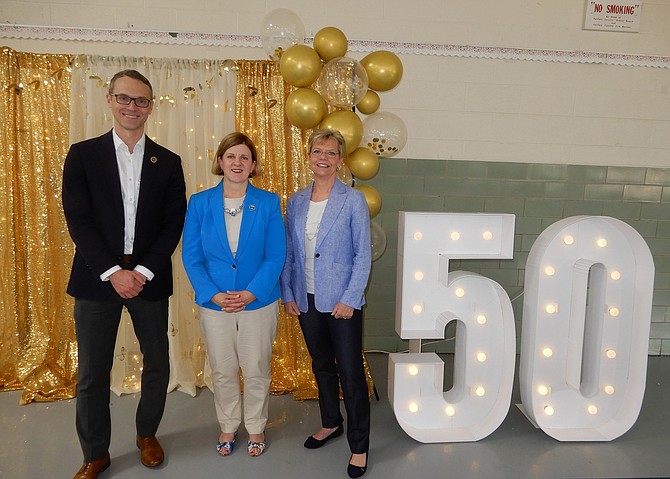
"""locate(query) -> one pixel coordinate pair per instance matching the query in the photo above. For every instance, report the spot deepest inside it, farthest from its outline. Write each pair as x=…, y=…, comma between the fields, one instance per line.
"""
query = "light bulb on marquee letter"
x=597, y=261
x=482, y=385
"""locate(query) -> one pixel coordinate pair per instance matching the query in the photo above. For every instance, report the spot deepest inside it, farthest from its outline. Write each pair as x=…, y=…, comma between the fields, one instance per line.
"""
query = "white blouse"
x=314, y=215
x=233, y=209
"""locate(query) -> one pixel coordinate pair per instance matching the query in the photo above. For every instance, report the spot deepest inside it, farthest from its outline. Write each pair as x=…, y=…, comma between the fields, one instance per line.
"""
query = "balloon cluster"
x=330, y=88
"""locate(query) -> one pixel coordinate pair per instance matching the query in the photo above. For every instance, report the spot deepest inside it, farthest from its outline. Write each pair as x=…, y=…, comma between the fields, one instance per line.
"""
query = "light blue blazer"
x=261, y=250
x=342, y=256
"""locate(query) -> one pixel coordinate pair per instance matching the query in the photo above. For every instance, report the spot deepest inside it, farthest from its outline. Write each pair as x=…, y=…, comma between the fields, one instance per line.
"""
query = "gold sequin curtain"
x=259, y=113
x=37, y=347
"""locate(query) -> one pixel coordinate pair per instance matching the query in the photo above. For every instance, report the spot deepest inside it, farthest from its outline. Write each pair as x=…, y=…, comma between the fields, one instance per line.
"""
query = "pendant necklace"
x=234, y=211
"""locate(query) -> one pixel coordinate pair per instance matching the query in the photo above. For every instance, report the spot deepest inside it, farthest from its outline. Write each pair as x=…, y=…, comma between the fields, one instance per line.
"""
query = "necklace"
x=234, y=211
x=312, y=235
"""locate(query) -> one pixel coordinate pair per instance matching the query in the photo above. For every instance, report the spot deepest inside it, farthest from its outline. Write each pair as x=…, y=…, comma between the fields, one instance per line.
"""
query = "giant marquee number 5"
x=587, y=308
x=429, y=297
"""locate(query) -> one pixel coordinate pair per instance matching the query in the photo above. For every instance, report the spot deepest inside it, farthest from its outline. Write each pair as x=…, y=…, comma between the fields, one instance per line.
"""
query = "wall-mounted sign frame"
x=613, y=15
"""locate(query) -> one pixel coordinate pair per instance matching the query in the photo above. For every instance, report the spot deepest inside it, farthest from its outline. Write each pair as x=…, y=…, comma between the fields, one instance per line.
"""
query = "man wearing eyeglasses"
x=124, y=202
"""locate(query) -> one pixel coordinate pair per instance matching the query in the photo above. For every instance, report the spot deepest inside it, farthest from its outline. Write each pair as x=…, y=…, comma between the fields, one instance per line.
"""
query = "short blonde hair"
x=230, y=140
x=324, y=134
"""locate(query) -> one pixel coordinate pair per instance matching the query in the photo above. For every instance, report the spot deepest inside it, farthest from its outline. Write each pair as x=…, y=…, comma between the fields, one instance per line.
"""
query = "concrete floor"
x=39, y=441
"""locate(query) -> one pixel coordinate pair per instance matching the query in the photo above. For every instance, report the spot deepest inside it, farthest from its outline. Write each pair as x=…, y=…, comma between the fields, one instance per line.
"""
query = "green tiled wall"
x=539, y=195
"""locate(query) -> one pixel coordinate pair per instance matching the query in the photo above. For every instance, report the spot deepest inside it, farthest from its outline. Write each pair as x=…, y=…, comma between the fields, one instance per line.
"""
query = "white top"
x=314, y=215
x=130, y=171
x=233, y=222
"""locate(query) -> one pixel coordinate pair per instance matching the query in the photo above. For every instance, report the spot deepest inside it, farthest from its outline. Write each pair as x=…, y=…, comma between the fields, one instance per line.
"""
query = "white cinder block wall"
x=454, y=108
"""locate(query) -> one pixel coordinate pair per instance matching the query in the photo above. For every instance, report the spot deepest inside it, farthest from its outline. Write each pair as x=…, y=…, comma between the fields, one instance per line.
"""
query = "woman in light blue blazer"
x=323, y=283
x=233, y=249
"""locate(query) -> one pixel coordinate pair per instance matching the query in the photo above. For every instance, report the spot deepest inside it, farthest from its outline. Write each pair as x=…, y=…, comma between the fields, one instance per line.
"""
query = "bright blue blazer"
x=342, y=255
x=261, y=251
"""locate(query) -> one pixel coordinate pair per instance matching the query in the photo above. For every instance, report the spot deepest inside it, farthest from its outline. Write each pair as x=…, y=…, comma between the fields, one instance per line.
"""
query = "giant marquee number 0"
x=587, y=310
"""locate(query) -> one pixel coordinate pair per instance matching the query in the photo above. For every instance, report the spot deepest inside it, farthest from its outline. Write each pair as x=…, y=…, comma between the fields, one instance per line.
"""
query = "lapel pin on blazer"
x=153, y=159
x=252, y=207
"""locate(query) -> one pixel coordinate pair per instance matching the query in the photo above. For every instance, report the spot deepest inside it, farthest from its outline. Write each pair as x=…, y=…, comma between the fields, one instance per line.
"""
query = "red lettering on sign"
x=621, y=9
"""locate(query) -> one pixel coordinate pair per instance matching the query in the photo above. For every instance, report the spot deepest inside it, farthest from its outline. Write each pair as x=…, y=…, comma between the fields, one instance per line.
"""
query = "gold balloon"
x=370, y=103
x=300, y=65
x=344, y=175
x=384, y=70
x=330, y=42
x=305, y=108
x=348, y=124
x=363, y=163
x=372, y=197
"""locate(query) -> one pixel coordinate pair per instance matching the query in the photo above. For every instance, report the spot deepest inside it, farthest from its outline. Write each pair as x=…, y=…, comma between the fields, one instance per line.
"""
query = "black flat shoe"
x=312, y=443
x=357, y=471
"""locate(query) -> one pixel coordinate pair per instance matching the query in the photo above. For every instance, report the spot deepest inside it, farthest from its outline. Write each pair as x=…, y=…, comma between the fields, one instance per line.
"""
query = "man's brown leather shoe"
x=90, y=470
x=151, y=452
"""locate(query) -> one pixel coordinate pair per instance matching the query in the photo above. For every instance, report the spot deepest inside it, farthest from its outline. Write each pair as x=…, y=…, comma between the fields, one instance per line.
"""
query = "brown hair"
x=135, y=75
x=230, y=140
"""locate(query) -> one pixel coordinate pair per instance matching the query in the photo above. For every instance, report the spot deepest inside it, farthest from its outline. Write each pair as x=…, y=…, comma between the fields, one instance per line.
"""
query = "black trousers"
x=336, y=348
x=96, y=324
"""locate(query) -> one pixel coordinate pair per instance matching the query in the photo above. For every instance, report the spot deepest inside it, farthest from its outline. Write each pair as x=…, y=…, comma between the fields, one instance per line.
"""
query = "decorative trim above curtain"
x=38, y=32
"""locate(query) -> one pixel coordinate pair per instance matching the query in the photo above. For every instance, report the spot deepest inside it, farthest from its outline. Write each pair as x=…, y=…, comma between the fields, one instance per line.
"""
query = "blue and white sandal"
x=226, y=448
x=255, y=448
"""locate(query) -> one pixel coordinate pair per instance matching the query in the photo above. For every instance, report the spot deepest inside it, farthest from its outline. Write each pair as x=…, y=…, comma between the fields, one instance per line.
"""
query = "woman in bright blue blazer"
x=233, y=249
x=323, y=283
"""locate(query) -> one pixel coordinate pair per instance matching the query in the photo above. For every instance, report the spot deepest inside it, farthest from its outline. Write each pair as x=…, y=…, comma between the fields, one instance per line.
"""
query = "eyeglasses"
x=122, y=99
x=330, y=154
